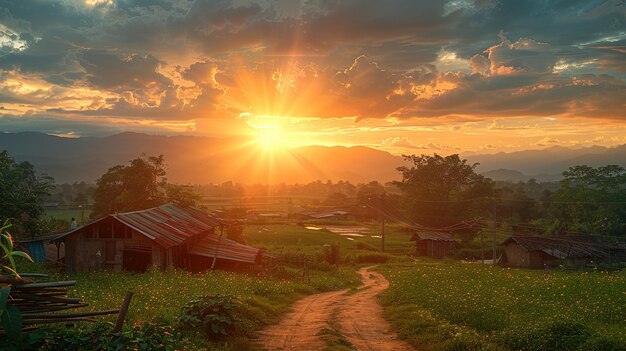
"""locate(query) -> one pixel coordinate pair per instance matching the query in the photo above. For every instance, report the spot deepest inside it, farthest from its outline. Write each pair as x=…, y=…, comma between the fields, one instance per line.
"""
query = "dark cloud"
x=111, y=70
x=179, y=59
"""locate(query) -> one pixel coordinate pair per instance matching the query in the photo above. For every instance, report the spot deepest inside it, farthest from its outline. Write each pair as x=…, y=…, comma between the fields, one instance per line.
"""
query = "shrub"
x=365, y=246
x=368, y=258
x=214, y=315
x=149, y=336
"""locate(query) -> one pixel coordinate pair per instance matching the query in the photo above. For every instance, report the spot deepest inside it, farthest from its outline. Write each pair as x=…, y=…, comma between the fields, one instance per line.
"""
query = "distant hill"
x=507, y=175
x=199, y=160
x=546, y=164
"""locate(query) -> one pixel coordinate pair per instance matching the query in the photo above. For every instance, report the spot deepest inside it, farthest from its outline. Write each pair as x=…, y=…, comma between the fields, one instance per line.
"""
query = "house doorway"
x=136, y=260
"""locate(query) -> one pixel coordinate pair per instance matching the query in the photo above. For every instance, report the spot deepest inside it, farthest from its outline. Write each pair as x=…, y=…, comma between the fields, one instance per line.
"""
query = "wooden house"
x=433, y=244
x=166, y=236
x=576, y=251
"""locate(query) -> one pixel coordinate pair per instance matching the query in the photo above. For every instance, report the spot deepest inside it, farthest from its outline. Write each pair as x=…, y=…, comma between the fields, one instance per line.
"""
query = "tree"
x=590, y=200
x=139, y=185
x=181, y=194
x=336, y=199
x=440, y=190
x=22, y=194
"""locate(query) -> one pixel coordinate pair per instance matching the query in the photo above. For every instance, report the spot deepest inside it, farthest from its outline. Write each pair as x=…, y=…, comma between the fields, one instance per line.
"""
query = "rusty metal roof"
x=437, y=236
x=564, y=247
x=226, y=249
x=170, y=224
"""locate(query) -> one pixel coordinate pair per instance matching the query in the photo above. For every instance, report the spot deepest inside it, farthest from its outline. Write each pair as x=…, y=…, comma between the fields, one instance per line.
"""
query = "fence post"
x=123, y=311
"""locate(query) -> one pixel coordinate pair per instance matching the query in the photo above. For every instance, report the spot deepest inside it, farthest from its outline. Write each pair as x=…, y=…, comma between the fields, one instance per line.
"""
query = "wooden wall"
x=102, y=245
x=113, y=241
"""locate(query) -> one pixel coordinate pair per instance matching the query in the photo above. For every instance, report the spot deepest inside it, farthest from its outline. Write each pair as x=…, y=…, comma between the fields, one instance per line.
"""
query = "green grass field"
x=435, y=305
x=159, y=296
x=68, y=213
x=447, y=305
x=281, y=238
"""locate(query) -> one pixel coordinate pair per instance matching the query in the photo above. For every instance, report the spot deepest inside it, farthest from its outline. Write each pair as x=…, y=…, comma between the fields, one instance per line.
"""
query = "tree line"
x=434, y=191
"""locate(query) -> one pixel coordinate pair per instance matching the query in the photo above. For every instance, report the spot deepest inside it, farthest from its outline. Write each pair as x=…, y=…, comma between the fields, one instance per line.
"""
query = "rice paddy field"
x=446, y=305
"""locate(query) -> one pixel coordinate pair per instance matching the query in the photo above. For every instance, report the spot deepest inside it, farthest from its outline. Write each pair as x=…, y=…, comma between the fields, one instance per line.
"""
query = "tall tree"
x=22, y=193
x=438, y=189
x=590, y=200
x=139, y=185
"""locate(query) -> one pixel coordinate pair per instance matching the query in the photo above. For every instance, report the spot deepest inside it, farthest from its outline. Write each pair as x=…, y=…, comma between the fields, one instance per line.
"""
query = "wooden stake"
x=123, y=311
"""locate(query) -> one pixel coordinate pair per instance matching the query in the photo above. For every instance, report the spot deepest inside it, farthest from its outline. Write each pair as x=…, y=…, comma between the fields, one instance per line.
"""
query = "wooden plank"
x=123, y=311
x=70, y=315
x=46, y=285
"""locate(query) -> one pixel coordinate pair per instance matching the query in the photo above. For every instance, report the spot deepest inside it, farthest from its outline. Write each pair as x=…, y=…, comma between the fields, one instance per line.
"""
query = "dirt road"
x=356, y=317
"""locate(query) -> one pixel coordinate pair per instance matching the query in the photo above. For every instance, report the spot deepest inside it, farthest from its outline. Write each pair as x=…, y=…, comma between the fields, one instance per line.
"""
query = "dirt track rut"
x=358, y=317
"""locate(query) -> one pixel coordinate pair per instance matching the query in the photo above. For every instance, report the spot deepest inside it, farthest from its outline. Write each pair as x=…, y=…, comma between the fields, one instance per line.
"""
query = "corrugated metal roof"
x=170, y=224
x=226, y=249
x=562, y=248
x=439, y=236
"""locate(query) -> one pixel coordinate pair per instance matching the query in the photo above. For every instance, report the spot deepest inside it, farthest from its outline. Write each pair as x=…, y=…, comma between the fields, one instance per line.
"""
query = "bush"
x=331, y=253
x=149, y=336
x=365, y=246
x=368, y=258
x=214, y=315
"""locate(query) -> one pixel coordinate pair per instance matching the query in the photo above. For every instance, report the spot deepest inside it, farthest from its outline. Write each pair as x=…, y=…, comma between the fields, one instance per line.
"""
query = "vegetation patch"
x=148, y=337
x=160, y=297
x=457, y=306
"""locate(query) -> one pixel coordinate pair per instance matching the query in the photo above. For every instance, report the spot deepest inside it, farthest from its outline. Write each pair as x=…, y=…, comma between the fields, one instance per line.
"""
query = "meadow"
x=435, y=305
x=159, y=296
x=447, y=305
x=289, y=239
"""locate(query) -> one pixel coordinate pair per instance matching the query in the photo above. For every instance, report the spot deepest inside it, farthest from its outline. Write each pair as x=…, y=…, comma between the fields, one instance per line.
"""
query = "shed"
x=164, y=236
x=433, y=244
x=43, y=248
x=331, y=214
x=575, y=251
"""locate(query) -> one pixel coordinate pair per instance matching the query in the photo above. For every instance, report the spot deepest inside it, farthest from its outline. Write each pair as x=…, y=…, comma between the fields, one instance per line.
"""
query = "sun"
x=270, y=138
x=270, y=133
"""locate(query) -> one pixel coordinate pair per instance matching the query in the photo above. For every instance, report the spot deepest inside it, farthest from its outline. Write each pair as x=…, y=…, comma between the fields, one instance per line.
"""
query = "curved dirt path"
x=357, y=317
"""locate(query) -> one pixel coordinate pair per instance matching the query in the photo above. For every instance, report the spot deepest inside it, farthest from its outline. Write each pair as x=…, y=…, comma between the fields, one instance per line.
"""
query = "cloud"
x=547, y=141
x=402, y=142
x=186, y=61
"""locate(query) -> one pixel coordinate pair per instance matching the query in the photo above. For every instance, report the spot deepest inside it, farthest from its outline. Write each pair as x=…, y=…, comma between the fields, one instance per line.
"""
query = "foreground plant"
x=10, y=316
x=211, y=314
x=7, y=260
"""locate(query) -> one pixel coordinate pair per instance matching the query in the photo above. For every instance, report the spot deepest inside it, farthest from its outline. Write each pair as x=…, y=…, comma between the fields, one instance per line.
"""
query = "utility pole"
x=382, y=216
x=495, y=219
x=482, y=246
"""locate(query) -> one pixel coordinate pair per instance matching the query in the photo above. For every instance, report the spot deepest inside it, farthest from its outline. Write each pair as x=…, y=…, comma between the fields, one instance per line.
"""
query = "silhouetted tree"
x=590, y=200
x=22, y=194
x=139, y=185
x=441, y=191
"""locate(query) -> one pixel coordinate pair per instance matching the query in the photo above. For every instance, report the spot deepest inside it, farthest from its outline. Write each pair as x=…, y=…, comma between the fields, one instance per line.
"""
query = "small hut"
x=43, y=248
x=324, y=214
x=166, y=236
x=575, y=251
x=433, y=244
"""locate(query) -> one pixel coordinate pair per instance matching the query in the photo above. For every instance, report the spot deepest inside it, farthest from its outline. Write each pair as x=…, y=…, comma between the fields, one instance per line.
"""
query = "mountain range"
x=201, y=160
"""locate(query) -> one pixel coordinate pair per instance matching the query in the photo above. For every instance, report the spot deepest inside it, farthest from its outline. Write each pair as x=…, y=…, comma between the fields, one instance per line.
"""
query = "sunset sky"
x=404, y=76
